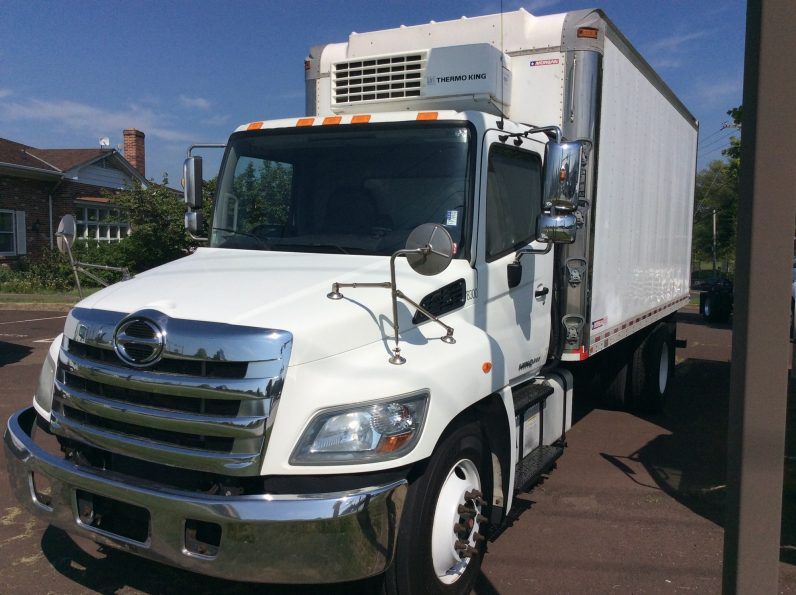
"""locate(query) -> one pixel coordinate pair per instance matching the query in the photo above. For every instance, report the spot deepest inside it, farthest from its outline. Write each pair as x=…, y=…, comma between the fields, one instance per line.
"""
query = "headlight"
x=43, y=397
x=375, y=431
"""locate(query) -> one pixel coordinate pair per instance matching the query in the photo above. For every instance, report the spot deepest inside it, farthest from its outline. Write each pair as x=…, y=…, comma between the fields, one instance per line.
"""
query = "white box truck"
x=375, y=351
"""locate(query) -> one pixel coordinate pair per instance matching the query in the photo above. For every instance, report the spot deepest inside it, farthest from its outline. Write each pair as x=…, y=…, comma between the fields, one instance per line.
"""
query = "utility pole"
x=758, y=385
x=714, y=242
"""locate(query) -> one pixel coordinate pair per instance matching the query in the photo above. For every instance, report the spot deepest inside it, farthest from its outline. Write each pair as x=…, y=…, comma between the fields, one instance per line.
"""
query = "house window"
x=100, y=222
x=13, y=241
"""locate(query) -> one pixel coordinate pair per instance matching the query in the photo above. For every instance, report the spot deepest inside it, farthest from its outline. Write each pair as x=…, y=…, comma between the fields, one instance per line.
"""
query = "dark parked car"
x=715, y=299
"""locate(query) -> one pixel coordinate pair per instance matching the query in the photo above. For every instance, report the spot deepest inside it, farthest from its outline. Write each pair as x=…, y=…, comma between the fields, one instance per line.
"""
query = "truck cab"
x=365, y=362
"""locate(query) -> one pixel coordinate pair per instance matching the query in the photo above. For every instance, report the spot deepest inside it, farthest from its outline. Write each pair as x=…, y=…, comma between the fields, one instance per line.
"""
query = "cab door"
x=516, y=316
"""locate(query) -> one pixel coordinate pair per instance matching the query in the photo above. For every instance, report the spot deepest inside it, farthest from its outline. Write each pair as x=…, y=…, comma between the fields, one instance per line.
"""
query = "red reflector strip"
x=305, y=122
x=588, y=32
x=254, y=126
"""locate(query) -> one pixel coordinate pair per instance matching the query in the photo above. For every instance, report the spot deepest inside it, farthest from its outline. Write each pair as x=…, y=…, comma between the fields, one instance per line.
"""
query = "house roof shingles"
x=55, y=160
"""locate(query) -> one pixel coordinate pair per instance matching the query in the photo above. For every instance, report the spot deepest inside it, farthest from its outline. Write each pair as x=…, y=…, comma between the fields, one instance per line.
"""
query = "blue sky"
x=185, y=72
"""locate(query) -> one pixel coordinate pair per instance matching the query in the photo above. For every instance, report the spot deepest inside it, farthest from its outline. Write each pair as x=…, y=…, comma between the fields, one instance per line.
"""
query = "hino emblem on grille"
x=138, y=342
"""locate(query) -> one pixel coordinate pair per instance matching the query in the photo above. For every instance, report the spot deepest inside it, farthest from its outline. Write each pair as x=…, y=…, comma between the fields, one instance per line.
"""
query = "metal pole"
x=758, y=393
x=714, y=242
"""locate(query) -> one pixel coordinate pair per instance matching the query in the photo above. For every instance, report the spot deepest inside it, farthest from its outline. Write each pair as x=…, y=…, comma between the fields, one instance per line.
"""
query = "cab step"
x=538, y=461
x=529, y=394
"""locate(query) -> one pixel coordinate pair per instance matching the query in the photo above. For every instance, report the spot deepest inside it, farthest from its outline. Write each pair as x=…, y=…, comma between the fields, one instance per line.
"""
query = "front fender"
x=452, y=373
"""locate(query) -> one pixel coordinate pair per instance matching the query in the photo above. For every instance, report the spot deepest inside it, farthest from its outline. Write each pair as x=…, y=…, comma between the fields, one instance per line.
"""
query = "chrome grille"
x=140, y=330
x=380, y=78
x=198, y=413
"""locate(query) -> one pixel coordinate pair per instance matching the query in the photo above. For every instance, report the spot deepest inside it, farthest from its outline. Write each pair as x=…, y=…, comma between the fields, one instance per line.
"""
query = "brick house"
x=39, y=186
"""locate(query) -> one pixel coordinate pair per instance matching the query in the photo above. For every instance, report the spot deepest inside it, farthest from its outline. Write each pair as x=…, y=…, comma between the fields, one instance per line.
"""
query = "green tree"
x=716, y=189
x=209, y=189
x=733, y=152
x=263, y=193
x=157, y=229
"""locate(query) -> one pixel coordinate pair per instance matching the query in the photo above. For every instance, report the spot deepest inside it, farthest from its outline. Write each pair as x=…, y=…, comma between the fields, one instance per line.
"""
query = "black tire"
x=707, y=307
x=413, y=569
x=615, y=378
x=651, y=369
x=716, y=307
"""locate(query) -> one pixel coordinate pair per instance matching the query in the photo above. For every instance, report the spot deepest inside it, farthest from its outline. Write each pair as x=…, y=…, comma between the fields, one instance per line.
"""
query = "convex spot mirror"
x=66, y=234
x=192, y=182
x=435, y=247
x=556, y=229
x=565, y=173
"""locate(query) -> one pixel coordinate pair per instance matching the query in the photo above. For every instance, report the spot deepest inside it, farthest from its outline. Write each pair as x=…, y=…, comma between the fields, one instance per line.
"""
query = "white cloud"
x=5, y=93
x=668, y=52
x=719, y=92
x=195, y=102
x=84, y=117
x=661, y=63
x=676, y=43
x=217, y=120
x=535, y=6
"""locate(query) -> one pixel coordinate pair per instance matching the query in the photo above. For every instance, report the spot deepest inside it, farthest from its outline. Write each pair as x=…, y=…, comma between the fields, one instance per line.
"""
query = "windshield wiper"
x=321, y=247
x=244, y=234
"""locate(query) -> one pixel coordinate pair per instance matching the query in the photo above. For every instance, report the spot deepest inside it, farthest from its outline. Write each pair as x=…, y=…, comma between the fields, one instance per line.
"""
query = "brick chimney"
x=134, y=149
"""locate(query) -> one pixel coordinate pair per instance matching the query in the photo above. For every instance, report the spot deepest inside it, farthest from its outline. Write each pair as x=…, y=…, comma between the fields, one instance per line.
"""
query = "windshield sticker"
x=548, y=62
x=452, y=217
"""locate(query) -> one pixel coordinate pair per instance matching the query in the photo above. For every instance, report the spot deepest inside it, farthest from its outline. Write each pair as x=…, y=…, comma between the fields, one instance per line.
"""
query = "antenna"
x=502, y=70
x=104, y=141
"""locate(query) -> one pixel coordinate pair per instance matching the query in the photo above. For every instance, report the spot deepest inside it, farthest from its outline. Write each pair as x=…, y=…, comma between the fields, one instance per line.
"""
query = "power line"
x=715, y=142
x=712, y=134
x=719, y=148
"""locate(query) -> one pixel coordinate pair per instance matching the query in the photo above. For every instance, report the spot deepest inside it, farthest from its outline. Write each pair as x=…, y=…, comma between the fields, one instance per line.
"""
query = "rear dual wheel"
x=637, y=372
x=652, y=368
x=440, y=540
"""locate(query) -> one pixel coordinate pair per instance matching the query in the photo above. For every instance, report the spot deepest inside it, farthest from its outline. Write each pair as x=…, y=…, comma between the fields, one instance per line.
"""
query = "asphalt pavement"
x=635, y=505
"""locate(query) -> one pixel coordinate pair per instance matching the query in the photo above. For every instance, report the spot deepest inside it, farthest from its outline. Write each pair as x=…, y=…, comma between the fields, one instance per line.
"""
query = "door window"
x=513, y=199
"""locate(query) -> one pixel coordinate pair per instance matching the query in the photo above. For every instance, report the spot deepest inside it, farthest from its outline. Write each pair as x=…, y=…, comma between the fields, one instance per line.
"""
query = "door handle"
x=540, y=293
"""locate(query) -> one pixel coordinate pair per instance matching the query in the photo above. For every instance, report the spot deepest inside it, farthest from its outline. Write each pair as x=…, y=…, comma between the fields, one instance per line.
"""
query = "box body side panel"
x=645, y=192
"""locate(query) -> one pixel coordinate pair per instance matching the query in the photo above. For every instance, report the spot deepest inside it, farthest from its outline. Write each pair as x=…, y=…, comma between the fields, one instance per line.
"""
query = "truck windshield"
x=353, y=189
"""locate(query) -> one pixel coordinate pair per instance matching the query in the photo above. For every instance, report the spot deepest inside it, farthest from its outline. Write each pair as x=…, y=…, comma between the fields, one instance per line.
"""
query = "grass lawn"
x=42, y=300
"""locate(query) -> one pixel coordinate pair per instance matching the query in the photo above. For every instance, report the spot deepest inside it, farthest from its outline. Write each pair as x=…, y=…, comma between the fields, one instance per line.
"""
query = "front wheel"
x=441, y=537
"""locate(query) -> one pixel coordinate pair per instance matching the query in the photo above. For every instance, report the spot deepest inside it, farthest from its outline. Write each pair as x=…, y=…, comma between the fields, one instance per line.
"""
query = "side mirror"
x=434, y=247
x=193, y=222
x=556, y=229
x=192, y=182
x=65, y=236
x=564, y=176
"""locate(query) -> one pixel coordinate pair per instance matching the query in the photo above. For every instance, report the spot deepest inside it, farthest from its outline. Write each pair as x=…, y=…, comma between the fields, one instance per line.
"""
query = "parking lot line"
x=33, y=320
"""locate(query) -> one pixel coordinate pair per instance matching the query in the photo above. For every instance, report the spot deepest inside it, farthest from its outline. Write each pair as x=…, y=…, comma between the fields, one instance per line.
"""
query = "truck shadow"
x=109, y=571
x=11, y=353
x=696, y=318
x=689, y=464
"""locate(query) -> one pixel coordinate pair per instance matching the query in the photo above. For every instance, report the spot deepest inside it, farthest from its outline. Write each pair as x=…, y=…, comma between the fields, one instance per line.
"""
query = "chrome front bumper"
x=315, y=538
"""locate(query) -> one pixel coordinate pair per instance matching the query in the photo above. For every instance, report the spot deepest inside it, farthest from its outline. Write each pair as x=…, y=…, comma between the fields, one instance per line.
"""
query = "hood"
x=281, y=290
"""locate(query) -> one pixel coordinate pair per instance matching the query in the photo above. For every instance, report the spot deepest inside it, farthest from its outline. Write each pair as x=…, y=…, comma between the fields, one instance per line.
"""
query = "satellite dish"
x=105, y=141
x=439, y=243
x=65, y=236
